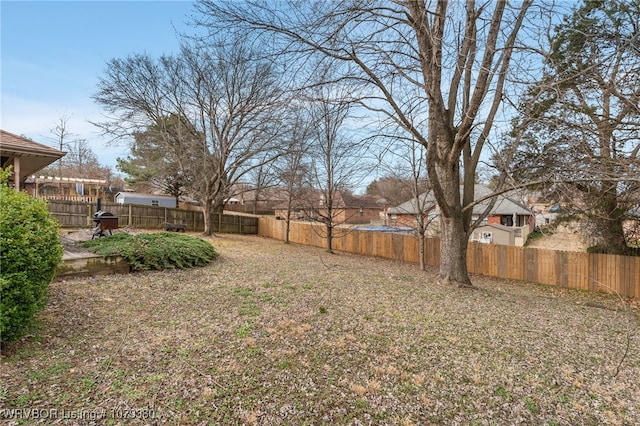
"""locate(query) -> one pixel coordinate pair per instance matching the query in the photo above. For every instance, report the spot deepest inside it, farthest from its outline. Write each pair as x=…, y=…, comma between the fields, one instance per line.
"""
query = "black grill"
x=104, y=221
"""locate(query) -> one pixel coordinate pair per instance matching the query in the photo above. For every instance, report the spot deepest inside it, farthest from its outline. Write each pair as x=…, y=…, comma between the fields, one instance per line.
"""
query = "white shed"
x=146, y=199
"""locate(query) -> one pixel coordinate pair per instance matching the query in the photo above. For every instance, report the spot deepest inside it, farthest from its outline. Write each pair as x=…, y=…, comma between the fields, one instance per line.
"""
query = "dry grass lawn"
x=275, y=334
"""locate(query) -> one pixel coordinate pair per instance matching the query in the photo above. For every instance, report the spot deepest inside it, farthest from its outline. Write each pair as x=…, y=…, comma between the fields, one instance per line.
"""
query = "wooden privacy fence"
x=80, y=215
x=583, y=271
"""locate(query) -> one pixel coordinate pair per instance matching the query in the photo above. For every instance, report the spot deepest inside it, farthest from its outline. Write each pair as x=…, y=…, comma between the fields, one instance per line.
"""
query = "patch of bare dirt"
x=70, y=241
x=562, y=240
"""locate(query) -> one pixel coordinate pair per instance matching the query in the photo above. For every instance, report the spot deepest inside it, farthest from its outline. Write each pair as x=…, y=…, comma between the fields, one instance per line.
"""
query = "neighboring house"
x=506, y=213
x=545, y=211
x=493, y=233
x=347, y=208
x=146, y=199
x=27, y=157
x=405, y=214
x=247, y=199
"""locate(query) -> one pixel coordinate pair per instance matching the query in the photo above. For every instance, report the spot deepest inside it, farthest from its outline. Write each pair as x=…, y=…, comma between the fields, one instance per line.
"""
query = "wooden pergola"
x=26, y=156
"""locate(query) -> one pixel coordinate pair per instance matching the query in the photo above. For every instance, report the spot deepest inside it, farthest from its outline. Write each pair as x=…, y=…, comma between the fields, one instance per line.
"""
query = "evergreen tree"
x=582, y=120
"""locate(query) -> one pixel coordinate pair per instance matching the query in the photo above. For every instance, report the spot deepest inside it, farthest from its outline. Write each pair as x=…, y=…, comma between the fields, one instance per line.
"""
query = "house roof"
x=426, y=200
x=509, y=229
x=502, y=206
x=33, y=156
x=273, y=194
x=361, y=201
x=341, y=200
x=143, y=195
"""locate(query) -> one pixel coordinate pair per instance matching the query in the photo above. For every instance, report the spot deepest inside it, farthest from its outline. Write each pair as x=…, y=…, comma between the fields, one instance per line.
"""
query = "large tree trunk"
x=454, y=223
x=287, y=228
x=330, y=238
x=421, y=250
x=611, y=223
x=614, y=239
x=444, y=173
x=207, y=218
x=288, y=217
x=610, y=216
x=453, y=252
x=215, y=205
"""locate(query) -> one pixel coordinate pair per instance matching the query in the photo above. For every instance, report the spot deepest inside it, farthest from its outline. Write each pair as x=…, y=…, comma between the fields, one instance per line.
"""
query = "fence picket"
x=73, y=214
x=582, y=271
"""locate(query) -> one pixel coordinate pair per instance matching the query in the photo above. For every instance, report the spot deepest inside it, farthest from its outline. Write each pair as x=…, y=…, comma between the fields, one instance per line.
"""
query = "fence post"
x=130, y=217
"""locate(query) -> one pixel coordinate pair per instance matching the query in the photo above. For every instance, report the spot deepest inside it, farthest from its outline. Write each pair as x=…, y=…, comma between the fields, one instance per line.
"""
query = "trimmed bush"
x=30, y=252
x=160, y=250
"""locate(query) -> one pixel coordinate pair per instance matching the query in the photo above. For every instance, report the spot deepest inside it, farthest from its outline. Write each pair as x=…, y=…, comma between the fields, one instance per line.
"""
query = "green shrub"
x=30, y=252
x=627, y=251
x=161, y=250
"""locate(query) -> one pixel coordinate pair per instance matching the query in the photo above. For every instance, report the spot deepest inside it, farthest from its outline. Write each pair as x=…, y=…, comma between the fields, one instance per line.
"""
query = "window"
x=154, y=203
x=486, y=237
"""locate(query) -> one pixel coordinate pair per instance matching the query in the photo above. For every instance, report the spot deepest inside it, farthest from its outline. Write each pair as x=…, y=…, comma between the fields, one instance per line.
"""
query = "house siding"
x=145, y=200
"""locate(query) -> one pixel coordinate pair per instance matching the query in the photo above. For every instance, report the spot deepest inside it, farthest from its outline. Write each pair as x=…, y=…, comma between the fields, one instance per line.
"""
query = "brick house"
x=506, y=217
x=347, y=208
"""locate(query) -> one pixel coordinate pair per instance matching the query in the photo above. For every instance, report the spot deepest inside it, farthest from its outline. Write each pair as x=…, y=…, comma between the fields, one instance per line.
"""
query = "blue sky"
x=53, y=53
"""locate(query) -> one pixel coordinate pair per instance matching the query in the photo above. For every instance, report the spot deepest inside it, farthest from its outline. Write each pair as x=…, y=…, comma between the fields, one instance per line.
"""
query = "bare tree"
x=62, y=135
x=339, y=161
x=294, y=165
x=80, y=161
x=409, y=167
x=263, y=179
x=392, y=186
x=227, y=99
x=437, y=69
